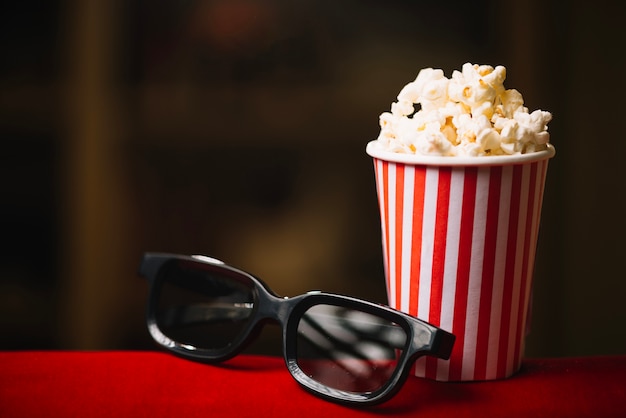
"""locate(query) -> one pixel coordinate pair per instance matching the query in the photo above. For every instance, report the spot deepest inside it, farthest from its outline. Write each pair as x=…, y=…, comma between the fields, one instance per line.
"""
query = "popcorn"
x=469, y=114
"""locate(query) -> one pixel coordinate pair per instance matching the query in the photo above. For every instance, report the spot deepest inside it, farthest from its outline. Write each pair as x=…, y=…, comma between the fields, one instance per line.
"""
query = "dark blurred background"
x=237, y=128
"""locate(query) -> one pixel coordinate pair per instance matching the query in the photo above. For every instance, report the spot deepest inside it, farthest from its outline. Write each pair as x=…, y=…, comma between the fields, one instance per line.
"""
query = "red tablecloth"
x=154, y=384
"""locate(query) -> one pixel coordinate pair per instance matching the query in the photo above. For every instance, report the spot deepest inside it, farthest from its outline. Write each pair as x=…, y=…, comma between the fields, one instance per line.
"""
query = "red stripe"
x=463, y=269
x=399, y=229
x=439, y=251
x=416, y=239
x=509, y=271
x=527, y=269
x=489, y=261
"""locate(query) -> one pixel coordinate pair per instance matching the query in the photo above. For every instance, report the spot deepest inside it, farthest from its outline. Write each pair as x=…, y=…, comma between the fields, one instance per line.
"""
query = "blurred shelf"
x=30, y=107
x=221, y=115
x=205, y=115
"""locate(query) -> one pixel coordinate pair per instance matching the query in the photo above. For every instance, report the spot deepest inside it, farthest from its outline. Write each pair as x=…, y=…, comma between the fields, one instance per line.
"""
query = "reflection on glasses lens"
x=348, y=350
x=202, y=308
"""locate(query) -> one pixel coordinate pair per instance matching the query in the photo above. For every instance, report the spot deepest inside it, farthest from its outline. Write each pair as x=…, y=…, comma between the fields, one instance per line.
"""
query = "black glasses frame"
x=422, y=337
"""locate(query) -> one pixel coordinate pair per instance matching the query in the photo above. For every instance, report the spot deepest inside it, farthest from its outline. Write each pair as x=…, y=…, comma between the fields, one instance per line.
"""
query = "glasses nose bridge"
x=275, y=308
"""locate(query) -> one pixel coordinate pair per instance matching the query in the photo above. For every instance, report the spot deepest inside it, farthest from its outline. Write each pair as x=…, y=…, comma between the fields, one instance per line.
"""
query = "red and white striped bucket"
x=459, y=239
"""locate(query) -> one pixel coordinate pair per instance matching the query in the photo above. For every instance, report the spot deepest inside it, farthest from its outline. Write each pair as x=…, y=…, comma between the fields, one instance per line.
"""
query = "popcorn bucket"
x=459, y=240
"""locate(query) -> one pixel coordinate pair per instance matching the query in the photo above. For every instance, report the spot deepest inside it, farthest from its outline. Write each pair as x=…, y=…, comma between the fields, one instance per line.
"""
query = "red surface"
x=154, y=384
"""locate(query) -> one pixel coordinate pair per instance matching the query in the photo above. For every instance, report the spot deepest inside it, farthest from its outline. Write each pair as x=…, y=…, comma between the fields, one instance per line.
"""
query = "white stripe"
x=476, y=273
x=420, y=367
x=407, y=233
x=391, y=190
x=381, y=182
x=451, y=259
x=519, y=257
x=536, y=190
x=426, y=256
x=428, y=240
x=498, y=274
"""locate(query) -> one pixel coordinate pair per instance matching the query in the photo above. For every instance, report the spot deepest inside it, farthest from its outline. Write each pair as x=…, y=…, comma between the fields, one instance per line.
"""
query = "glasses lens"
x=347, y=349
x=203, y=306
